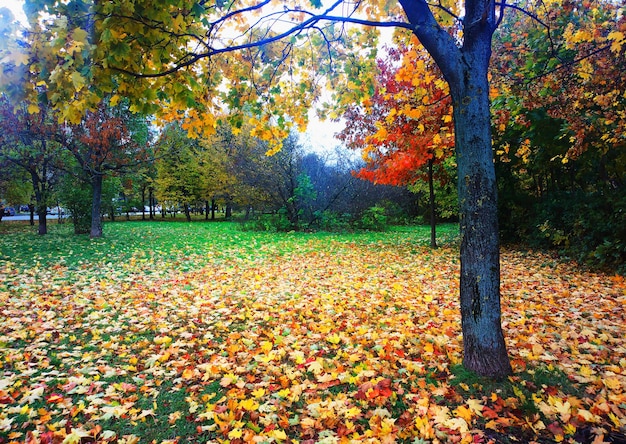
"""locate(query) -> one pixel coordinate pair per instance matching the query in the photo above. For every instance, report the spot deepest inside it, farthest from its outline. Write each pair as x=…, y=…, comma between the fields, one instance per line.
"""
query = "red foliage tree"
x=405, y=125
x=107, y=142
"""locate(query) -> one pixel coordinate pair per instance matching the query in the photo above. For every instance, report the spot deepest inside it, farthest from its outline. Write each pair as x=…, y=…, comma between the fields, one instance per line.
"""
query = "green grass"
x=180, y=243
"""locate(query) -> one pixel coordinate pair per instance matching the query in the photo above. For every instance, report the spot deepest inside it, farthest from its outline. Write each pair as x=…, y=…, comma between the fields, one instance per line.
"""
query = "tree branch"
x=309, y=24
x=441, y=45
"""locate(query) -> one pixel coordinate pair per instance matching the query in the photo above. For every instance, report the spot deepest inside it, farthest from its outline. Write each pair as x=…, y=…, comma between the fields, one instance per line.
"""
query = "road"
x=26, y=217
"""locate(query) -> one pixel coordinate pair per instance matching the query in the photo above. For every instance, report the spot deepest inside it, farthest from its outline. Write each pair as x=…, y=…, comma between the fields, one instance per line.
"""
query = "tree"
x=107, y=141
x=256, y=62
x=405, y=124
x=28, y=142
x=179, y=173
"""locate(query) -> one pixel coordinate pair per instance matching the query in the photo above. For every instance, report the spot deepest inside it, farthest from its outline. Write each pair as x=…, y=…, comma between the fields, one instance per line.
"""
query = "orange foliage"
x=407, y=120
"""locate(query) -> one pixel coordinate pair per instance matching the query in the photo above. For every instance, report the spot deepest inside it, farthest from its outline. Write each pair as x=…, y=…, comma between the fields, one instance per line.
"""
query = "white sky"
x=16, y=8
x=319, y=136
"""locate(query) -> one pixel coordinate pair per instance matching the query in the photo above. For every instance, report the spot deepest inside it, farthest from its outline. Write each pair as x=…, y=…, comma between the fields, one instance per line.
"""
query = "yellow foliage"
x=618, y=39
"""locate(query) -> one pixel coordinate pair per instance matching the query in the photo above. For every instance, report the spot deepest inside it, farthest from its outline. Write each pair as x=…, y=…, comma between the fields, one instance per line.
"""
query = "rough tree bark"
x=465, y=68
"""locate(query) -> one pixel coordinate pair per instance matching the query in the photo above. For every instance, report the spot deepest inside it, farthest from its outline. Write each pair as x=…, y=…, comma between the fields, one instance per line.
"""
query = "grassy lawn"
x=170, y=331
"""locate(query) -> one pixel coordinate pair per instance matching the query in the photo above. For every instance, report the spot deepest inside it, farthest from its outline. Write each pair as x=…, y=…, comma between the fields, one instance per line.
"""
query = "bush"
x=373, y=219
x=76, y=196
x=332, y=221
x=275, y=222
x=588, y=227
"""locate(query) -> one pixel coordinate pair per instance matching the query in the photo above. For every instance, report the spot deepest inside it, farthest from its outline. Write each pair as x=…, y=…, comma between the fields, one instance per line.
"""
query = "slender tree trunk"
x=187, y=213
x=143, y=203
x=206, y=210
x=212, y=209
x=96, y=205
x=433, y=221
x=41, y=201
x=483, y=341
x=151, y=200
x=229, y=211
x=31, y=211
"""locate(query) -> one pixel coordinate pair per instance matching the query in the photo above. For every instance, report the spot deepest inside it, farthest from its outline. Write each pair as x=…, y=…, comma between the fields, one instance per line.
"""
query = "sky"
x=16, y=8
x=319, y=135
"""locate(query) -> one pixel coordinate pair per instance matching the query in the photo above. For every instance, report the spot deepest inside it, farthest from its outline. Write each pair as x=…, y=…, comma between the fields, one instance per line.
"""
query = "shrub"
x=588, y=227
x=373, y=219
x=76, y=196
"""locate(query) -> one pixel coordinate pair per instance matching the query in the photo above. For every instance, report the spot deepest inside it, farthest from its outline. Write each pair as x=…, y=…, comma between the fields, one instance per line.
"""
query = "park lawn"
x=200, y=332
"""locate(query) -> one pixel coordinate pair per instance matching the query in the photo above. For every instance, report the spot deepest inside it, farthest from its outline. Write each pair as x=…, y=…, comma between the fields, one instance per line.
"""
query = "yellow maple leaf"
x=334, y=339
x=457, y=424
x=33, y=108
x=315, y=367
x=235, y=434
x=77, y=80
x=266, y=346
x=617, y=38
x=278, y=435
x=162, y=340
x=463, y=412
x=249, y=404
x=76, y=436
x=612, y=383
x=258, y=393
x=475, y=406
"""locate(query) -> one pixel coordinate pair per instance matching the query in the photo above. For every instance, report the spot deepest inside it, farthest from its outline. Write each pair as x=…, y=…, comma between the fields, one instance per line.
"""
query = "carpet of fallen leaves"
x=330, y=342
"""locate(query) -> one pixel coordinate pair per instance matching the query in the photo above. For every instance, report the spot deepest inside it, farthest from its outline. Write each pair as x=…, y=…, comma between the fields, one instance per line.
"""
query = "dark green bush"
x=587, y=227
x=76, y=196
x=373, y=219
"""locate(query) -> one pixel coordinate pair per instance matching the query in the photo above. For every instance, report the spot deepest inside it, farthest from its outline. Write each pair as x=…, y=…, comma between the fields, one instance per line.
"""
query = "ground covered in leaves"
x=208, y=334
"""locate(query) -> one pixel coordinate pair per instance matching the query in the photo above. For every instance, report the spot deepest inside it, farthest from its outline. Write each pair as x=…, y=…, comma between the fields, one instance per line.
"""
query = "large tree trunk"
x=465, y=69
x=96, y=205
x=483, y=341
x=42, y=219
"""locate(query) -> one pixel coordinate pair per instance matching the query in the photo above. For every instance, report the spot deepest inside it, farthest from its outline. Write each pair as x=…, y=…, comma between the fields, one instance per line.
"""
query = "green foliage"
x=333, y=221
x=16, y=187
x=274, y=222
x=373, y=219
x=588, y=227
x=76, y=196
